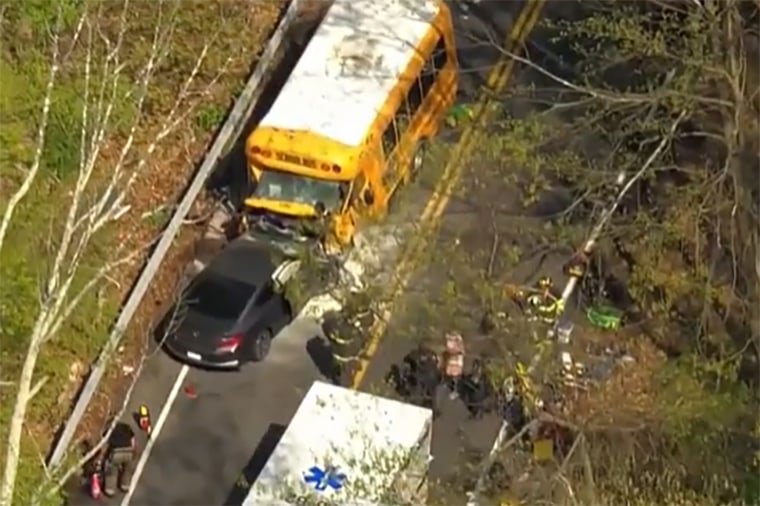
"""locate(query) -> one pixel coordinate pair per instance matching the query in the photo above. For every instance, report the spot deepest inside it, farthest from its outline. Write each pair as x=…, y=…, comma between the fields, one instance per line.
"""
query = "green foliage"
x=15, y=146
x=60, y=156
x=637, y=67
x=41, y=15
x=209, y=117
x=692, y=387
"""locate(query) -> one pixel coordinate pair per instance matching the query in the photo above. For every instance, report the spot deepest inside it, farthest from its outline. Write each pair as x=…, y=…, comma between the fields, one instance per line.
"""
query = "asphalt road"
x=206, y=451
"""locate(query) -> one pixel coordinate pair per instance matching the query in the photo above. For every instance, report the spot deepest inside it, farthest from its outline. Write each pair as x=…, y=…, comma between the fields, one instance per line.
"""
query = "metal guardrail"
x=229, y=132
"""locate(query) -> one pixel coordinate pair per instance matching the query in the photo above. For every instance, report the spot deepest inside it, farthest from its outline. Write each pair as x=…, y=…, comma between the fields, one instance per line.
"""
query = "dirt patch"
x=630, y=392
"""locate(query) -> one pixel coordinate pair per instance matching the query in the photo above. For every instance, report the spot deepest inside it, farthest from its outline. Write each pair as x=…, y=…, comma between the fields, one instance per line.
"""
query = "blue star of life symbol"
x=321, y=479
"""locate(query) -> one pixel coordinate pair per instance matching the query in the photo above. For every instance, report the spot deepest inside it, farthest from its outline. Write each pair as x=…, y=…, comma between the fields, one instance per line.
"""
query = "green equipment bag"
x=604, y=317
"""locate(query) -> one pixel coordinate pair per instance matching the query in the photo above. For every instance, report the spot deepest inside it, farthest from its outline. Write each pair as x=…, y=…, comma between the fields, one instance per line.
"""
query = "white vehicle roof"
x=354, y=431
x=350, y=66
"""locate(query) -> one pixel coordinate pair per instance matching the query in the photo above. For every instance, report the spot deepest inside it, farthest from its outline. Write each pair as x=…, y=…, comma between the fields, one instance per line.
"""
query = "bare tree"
x=684, y=242
x=666, y=94
x=95, y=202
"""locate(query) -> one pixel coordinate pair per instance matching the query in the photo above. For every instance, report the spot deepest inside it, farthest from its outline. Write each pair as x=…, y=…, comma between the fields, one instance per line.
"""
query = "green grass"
x=209, y=117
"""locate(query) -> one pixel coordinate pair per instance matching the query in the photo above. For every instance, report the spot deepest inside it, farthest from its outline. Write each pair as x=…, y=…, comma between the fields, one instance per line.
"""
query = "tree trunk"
x=23, y=395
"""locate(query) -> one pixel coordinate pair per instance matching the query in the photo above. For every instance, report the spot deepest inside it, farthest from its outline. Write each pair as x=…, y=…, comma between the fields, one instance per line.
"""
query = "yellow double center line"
x=431, y=215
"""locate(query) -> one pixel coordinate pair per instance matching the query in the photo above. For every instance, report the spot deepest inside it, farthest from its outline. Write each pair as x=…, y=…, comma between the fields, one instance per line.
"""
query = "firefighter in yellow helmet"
x=543, y=304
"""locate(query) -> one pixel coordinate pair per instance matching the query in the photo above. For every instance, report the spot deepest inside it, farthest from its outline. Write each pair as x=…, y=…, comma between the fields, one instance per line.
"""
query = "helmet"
x=544, y=282
x=509, y=389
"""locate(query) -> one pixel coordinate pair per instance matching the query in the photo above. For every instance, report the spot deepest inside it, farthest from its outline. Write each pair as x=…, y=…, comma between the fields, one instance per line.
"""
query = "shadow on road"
x=254, y=466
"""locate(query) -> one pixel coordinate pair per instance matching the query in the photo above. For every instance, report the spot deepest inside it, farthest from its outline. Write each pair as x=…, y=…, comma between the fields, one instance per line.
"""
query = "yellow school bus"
x=349, y=126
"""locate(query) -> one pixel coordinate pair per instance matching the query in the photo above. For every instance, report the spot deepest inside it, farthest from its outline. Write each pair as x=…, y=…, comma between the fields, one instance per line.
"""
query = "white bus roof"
x=335, y=426
x=350, y=66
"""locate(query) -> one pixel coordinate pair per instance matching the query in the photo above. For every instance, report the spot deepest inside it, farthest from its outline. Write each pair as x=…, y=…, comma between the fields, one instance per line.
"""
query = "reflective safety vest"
x=547, y=308
x=345, y=344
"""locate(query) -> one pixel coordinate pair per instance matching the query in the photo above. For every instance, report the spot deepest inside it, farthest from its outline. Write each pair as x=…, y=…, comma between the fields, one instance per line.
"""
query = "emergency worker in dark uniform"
x=424, y=376
x=512, y=408
x=119, y=459
x=345, y=333
x=478, y=392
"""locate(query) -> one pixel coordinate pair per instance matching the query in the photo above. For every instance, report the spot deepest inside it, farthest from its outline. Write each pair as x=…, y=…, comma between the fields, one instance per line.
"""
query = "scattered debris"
x=190, y=391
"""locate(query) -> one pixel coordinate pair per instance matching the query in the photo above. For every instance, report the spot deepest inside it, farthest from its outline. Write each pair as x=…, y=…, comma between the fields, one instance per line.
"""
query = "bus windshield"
x=286, y=187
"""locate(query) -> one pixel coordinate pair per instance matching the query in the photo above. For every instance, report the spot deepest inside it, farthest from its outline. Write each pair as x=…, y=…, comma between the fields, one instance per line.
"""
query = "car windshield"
x=279, y=185
x=219, y=296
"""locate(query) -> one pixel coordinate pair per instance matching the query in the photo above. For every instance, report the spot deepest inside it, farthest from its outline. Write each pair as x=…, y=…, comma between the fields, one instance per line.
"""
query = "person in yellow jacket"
x=543, y=304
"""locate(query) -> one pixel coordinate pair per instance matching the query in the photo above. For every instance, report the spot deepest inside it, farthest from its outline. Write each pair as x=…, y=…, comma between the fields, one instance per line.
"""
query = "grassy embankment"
x=232, y=33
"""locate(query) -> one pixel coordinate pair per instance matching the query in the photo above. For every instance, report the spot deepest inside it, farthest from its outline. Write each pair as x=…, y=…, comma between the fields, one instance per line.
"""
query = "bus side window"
x=437, y=61
x=412, y=103
x=418, y=91
x=390, y=138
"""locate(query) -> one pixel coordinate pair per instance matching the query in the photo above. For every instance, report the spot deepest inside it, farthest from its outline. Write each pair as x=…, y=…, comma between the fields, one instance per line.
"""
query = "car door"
x=266, y=312
x=278, y=305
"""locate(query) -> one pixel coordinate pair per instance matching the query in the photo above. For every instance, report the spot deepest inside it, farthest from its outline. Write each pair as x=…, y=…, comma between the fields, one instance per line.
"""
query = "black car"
x=231, y=310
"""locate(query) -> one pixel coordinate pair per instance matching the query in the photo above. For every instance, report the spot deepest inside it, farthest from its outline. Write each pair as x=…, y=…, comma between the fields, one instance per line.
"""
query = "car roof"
x=244, y=260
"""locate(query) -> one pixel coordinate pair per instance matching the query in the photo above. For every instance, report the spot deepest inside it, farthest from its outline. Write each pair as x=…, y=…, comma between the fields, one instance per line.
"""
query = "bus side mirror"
x=368, y=196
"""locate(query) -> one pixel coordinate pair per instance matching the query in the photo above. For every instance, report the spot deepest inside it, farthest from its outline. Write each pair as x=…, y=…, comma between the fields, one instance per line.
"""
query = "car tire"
x=260, y=345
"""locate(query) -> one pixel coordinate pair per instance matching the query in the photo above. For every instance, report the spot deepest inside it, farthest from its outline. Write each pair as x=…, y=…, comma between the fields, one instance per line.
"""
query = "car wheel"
x=260, y=345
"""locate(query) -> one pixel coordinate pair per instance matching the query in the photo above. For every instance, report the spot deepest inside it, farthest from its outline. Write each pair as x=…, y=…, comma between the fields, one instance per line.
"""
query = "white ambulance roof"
x=350, y=66
x=354, y=431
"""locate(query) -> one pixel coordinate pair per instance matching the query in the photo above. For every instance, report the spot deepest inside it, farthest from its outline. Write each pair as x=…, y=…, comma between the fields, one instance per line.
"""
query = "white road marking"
x=290, y=334
x=154, y=433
